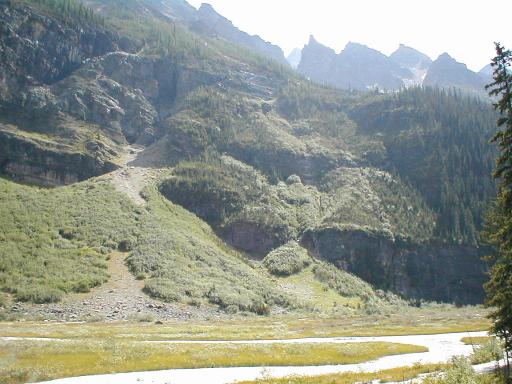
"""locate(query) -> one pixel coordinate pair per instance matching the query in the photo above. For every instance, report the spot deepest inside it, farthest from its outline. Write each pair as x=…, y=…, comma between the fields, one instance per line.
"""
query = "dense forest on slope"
x=267, y=165
x=439, y=141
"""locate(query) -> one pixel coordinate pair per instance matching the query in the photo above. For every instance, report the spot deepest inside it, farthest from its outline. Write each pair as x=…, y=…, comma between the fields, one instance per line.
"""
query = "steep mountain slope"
x=204, y=21
x=210, y=22
x=263, y=167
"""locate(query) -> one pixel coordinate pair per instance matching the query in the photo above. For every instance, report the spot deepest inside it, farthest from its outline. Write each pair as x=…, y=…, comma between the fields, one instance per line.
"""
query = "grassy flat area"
x=36, y=361
x=438, y=319
x=476, y=340
x=386, y=376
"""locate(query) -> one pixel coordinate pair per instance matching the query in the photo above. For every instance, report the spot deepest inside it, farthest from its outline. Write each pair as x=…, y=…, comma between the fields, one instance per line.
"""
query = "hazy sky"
x=464, y=29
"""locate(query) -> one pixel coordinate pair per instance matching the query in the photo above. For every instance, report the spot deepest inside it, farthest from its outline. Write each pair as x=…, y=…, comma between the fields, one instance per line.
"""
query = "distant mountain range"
x=355, y=67
x=360, y=67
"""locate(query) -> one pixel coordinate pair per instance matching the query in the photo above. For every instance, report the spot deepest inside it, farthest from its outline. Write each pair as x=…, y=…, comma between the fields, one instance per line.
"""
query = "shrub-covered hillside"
x=177, y=256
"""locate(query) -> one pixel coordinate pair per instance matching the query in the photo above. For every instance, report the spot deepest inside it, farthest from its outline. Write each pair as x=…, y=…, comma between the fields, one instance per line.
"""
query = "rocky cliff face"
x=74, y=85
x=176, y=10
x=36, y=49
x=317, y=61
x=31, y=161
x=37, y=52
x=431, y=271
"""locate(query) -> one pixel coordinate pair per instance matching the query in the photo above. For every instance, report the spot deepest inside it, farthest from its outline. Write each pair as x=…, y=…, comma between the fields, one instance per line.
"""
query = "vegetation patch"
x=49, y=246
x=432, y=319
x=287, y=259
x=28, y=361
x=184, y=261
x=476, y=340
x=491, y=350
x=386, y=376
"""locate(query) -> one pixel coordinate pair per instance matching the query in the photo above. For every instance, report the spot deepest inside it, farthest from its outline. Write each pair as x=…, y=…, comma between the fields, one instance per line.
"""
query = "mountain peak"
x=445, y=71
x=312, y=40
x=354, y=45
x=445, y=56
x=207, y=7
x=410, y=58
x=207, y=10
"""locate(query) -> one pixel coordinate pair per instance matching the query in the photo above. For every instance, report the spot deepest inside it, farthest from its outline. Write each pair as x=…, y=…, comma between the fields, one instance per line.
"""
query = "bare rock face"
x=30, y=161
x=432, y=271
x=36, y=49
x=254, y=238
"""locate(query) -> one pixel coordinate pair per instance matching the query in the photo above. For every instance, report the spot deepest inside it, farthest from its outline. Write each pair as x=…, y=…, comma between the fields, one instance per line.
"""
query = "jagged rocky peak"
x=356, y=67
x=207, y=10
x=445, y=57
x=314, y=45
x=486, y=73
x=316, y=61
x=410, y=58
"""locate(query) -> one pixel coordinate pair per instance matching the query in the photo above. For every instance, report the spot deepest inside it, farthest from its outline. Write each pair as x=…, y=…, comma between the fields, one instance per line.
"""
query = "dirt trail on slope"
x=131, y=179
x=121, y=297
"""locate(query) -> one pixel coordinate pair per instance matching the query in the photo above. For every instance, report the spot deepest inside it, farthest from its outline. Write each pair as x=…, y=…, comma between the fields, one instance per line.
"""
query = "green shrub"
x=287, y=260
x=143, y=317
x=343, y=282
x=163, y=289
x=39, y=295
x=126, y=245
x=460, y=371
x=3, y=300
x=491, y=350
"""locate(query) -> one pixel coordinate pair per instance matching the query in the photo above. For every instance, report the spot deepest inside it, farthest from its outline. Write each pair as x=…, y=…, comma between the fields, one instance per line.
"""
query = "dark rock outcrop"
x=254, y=238
x=26, y=160
x=431, y=271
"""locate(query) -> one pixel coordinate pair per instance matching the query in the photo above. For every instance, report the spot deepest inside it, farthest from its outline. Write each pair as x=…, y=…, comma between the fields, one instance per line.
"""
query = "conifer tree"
x=499, y=223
